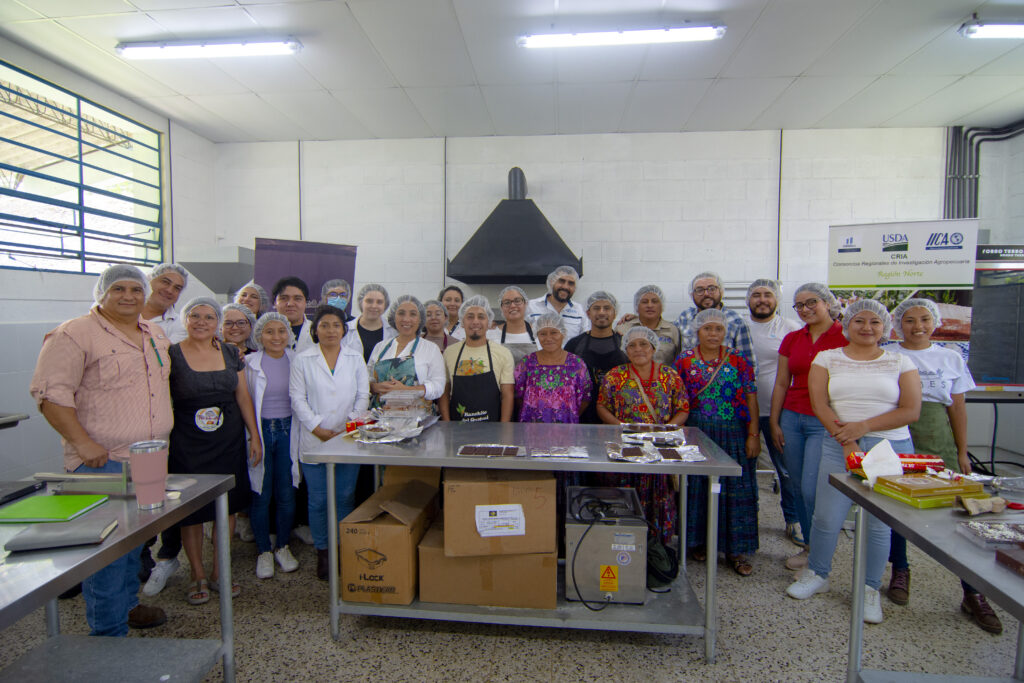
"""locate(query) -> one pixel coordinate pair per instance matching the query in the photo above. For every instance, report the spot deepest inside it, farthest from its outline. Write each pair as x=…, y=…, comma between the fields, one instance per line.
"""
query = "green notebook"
x=53, y=508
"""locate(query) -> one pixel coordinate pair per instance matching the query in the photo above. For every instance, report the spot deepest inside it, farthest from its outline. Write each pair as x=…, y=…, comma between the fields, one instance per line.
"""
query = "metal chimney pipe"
x=516, y=184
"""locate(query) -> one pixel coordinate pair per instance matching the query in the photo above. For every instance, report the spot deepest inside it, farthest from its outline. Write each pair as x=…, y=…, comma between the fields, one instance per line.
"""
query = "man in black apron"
x=600, y=347
x=480, y=382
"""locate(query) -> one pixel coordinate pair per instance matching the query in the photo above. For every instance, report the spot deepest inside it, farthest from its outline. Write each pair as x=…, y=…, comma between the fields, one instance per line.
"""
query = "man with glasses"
x=706, y=291
x=561, y=286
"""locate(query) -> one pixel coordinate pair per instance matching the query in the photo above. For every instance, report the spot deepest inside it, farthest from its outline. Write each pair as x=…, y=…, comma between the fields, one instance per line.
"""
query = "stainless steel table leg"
x=857, y=606
x=332, y=551
x=52, y=619
x=710, y=604
x=227, y=624
x=681, y=523
x=1018, y=669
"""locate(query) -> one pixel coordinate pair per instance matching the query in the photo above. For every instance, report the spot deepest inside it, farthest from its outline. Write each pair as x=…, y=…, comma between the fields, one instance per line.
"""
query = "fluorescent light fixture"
x=976, y=29
x=641, y=37
x=212, y=49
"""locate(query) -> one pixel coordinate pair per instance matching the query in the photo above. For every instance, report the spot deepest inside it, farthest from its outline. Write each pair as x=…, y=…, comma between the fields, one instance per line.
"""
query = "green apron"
x=401, y=369
x=933, y=435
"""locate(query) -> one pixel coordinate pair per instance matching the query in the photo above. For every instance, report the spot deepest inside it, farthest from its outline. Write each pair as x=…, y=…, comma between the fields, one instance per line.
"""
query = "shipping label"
x=500, y=520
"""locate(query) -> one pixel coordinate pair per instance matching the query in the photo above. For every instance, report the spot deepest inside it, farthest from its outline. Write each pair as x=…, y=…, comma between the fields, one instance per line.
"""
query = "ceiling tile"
x=735, y=103
x=15, y=11
x=190, y=76
x=808, y=99
x=952, y=54
x=595, y=108
x=521, y=109
x=883, y=99
x=1000, y=113
x=453, y=111
x=949, y=106
x=203, y=22
x=1010, y=64
x=386, y=112
x=420, y=42
x=600, y=65
x=148, y=5
x=108, y=30
x=269, y=74
x=663, y=105
x=490, y=29
x=196, y=118
x=320, y=114
x=253, y=115
x=78, y=8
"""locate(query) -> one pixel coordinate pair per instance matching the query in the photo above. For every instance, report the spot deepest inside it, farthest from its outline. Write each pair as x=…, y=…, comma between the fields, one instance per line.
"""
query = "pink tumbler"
x=148, y=461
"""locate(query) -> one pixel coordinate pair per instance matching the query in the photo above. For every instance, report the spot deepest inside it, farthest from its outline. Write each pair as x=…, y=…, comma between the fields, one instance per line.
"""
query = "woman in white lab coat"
x=328, y=385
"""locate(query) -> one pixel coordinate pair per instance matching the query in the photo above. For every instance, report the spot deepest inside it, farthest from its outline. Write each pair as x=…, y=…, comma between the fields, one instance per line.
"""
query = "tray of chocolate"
x=682, y=454
x=623, y=451
x=1012, y=558
x=993, y=534
x=660, y=436
x=559, y=452
x=490, y=450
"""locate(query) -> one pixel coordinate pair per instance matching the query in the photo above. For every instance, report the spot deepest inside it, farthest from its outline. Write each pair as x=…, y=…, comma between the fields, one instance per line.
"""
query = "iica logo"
x=895, y=241
x=850, y=245
x=945, y=240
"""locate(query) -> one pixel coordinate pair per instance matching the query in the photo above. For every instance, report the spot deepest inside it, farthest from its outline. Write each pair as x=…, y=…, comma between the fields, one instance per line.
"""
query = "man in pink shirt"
x=101, y=382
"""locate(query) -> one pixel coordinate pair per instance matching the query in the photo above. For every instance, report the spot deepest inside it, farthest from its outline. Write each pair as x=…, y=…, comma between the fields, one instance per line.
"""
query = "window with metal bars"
x=80, y=185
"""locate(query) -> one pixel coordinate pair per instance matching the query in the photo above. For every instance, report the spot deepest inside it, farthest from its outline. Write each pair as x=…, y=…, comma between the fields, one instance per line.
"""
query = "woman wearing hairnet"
x=515, y=334
x=649, y=303
x=253, y=297
x=406, y=361
x=941, y=430
x=862, y=394
x=370, y=327
x=552, y=385
x=723, y=404
x=236, y=328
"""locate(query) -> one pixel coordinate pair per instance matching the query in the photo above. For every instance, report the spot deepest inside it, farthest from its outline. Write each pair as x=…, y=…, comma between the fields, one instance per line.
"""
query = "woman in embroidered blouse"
x=552, y=385
x=407, y=361
x=723, y=404
x=643, y=390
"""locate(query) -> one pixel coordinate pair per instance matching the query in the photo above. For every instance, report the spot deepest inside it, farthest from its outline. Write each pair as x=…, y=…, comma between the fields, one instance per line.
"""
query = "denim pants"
x=277, y=484
x=112, y=592
x=831, y=508
x=786, y=499
x=344, y=490
x=804, y=436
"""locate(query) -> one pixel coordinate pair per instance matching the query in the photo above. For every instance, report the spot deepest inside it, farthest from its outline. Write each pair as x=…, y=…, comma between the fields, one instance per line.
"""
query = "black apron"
x=598, y=365
x=519, y=350
x=475, y=398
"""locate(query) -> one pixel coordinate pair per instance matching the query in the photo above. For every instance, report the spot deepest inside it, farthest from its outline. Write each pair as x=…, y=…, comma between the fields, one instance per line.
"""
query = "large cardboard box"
x=399, y=474
x=378, y=543
x=495, y=580
x=498, y=512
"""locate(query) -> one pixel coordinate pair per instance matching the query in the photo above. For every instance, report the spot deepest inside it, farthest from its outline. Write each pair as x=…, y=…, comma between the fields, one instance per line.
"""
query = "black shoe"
x=322, y=563
x=146, y=564
x=71, y=592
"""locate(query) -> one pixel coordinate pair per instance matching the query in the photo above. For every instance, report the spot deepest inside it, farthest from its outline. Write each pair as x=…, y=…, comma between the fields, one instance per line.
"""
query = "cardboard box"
x=496, y=580
x=399, y=474
x=498, y=512
x=378, y=543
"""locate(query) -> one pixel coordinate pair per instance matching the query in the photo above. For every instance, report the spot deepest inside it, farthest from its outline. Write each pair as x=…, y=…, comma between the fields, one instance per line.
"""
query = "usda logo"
x=945, y=240
x=895, y=242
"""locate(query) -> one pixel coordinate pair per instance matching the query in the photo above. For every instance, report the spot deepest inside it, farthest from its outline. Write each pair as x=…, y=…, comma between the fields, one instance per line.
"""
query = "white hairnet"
x=773, y=285
x=478, y=301
x=512, y=288
x=558, y=272
x=272, y=316
x=334, y=284
x=639, y=331
x=648, y=289
x=162, y=268
x=901, y=310
x=823, y=293
x=433, y=302
x=203, y=301
x=709, y=315
x=373, y=287
x=871, y=306
x=117, y=273
x=244, y=310
x=264, y=298
x=704, y=276
x=549, y=320
x=601, y=295
x=421, y=310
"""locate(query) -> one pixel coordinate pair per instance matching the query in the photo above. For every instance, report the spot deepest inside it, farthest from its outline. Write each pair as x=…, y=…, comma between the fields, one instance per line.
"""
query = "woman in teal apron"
x=407, y=362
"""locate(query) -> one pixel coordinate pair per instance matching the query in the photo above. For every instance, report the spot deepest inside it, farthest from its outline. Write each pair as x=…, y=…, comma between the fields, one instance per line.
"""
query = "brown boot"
x=322, y=570
x=145, y=616
x=975, y=605
x=899, y=586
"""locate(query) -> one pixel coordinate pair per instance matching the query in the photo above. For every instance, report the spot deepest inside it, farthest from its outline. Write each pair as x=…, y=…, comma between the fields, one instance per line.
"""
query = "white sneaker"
x=807, y=584
x=159, y=576
x=798, y=561
x=243, y=527
x=265, y=565
x=286, y=560
x=303, y=534
x=872, y=606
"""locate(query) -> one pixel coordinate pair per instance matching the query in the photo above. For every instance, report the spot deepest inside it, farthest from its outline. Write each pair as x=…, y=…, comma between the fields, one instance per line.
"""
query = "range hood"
x=515, y=245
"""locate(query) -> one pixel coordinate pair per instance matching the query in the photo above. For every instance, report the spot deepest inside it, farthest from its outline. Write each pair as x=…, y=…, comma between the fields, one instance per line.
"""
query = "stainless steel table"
x=934, y=532
x=674, y=612
x=31, y=579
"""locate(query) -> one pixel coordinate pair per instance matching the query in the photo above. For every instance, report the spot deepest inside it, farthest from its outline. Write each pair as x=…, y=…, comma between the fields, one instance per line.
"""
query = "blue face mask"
x=337, y=301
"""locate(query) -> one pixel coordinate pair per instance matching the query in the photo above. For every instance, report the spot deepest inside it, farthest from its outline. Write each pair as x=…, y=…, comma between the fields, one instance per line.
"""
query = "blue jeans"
x=112, y=592
x=786, y=499
x=804, y=435
x=277, y=484
x=344, y=496
x=831, y=508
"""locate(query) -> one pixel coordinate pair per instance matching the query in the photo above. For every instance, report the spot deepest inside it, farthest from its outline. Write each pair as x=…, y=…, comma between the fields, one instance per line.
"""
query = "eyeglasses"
x=710, y=289
x=236, y=323
x=808, y=304
x=513, y=302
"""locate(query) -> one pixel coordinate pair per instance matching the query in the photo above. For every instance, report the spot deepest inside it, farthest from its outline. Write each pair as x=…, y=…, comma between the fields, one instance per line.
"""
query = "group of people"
x=247, y=387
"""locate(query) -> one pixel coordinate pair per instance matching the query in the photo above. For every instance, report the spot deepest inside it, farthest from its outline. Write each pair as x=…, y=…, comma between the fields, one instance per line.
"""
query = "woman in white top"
x=407, y=361
x=942, y=431
x=434, y=324
x=452, y=297
x=327, y=385
x=862, y=394
x=370, y=327
x=267, y=372
x=515, y=334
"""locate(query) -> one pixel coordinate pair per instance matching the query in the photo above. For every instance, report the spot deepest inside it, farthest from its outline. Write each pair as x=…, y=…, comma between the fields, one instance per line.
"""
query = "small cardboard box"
x=498, y=512
x=399, y=474
x=498, y=581
x=378, y=543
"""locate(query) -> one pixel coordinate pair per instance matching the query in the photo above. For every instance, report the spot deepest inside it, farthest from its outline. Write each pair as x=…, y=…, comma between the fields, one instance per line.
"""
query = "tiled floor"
x=282, y=632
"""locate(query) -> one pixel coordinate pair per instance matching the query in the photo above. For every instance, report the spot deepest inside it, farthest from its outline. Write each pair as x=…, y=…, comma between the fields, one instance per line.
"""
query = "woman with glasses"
x=794, y=428
x=435, y=317
x=236, y=329
x=648, y=302
x=515, y=334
